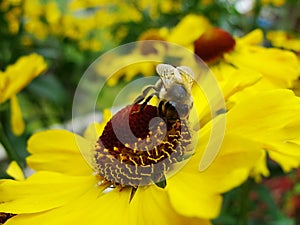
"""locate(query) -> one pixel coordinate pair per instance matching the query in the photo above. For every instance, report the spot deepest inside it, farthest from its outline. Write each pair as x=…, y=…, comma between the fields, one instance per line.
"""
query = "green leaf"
x=297, y=189
x=50, y=88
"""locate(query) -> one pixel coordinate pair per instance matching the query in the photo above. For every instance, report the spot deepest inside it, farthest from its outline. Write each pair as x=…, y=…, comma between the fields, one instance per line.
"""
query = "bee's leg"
x=160, y=109
x=143, y=105
x=147, y=100
x=143, y=95
x=155, y=87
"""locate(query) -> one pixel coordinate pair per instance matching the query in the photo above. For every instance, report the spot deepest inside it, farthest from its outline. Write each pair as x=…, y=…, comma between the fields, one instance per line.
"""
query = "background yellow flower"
x=14, y=79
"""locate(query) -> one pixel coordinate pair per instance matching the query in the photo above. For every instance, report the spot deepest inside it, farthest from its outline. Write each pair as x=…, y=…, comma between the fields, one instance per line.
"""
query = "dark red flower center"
x=5, y=216
x=138, y=148
x=213, y=43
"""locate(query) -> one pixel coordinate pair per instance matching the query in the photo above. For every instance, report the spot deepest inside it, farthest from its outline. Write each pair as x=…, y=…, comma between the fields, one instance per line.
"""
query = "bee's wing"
x=187, y=73
x=166, y=73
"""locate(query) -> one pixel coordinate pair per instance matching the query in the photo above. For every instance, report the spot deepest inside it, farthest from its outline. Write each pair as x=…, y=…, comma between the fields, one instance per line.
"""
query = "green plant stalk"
x=11, y=153
x=244, y=203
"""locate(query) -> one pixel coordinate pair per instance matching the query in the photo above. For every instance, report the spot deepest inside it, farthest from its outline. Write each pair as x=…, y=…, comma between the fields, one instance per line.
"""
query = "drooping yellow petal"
x=74, y=212
x=59, y=151
x=151, y=205
x=15, y=171
x=232, y=165
x=286, y=160
x=42, y=191
x=17, y=122
x=193, y=202
x=94, y=206
x=114, y=202
x=279, y=67
x=94, y=131
x=282, y=39
x=254, y=37
x=20, y=74
x=232, y=79
x=229, y=169
x=270, y=118
x=260, y=168
x=190, y=27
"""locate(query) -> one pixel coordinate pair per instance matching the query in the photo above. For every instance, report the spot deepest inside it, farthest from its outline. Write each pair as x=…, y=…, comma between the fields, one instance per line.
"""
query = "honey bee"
x=173, y=90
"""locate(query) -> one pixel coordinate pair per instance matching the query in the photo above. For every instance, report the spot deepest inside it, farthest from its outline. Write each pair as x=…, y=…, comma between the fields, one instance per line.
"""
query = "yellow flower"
x=282, y=39
x=277, y=68
x=277, y=3
x=79, y=5
x=278, y=135
x=190, y=27
x=52, y=15
x=170, y=6
x=64, y=182
x=139, y=61
x=245, y=70
x=92, y=44
x=36, y=27
x=14, y=79
x=75, y=183
x=11, y=11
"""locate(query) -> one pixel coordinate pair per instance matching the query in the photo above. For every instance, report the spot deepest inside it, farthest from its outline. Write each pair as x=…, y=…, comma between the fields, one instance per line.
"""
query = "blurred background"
x=71, y=34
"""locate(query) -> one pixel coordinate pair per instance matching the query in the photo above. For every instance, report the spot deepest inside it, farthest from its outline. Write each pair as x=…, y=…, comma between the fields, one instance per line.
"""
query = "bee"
x=173, y=90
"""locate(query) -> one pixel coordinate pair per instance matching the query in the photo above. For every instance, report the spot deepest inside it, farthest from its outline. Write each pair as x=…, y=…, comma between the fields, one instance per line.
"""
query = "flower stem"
x=244, y=203
x=11, y=153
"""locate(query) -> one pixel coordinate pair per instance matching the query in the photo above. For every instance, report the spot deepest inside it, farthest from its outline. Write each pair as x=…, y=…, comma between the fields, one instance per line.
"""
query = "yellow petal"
x=74, y=212
x=151, y=200
x=190, y=27
x=42, y=191
x=285, y=160
x=229, y=169
x=193, y=202
x=280, y=67
x=255, y=37
x=237, y=156
x=270, y=118
x=94, y=131
x=260, y=168
x=283, y=39
x=232, y=79
x=15, y=171
x=17, y=122
x=59, y=151
x=21, y=73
